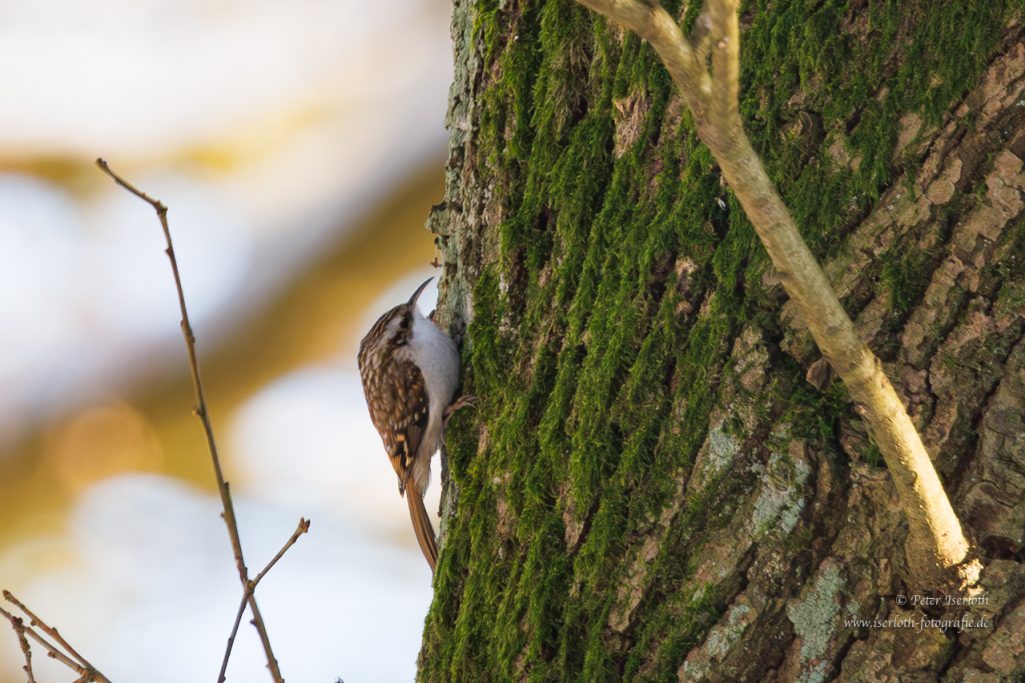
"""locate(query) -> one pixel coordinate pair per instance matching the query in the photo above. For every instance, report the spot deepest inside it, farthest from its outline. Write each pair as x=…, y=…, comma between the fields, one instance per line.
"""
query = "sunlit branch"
x=725, y=46
x=936, y=545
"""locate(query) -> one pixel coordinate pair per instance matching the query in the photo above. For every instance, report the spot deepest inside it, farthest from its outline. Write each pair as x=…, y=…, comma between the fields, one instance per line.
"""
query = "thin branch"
x=52, y=632
x=304, y=526
x=231, y=636
x=86, y=671
x=53, y=653
x=200, y=410
x=19, y=628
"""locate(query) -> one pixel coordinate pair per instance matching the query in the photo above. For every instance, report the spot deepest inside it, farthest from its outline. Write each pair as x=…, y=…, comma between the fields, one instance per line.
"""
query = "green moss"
x=682, y=619
x=602, y=329
x=814, y=415
x=872, y=455
x=904, y=278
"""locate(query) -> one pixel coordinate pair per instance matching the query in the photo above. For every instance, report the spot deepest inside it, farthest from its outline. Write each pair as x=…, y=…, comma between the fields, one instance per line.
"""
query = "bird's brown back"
x=395, y=390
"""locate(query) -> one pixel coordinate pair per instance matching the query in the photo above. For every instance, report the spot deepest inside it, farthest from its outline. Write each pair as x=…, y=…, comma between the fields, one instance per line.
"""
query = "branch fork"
x=200, y=411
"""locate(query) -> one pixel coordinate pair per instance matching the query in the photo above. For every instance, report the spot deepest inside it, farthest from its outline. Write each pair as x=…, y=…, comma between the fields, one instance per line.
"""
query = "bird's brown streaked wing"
x=402, y=437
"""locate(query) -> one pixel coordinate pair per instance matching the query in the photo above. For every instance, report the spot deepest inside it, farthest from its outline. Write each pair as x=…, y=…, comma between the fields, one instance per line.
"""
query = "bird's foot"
x=461, y=402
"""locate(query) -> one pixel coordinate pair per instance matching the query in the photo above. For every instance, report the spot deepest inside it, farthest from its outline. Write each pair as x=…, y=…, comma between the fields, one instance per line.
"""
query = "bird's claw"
x=461, y=402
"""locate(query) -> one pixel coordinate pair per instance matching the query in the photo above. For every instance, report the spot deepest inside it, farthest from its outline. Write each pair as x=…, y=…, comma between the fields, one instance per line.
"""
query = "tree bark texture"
x=936, y=546
x=662, y=481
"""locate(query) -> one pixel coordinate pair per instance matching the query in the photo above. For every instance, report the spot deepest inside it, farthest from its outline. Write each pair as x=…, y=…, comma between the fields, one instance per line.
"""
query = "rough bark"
x=660, y=480
x=936, y=547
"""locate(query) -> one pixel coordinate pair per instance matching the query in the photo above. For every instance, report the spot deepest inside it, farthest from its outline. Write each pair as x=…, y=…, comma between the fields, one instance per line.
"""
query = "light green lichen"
x=814, y=616
x=780, y=500
x=723, y=449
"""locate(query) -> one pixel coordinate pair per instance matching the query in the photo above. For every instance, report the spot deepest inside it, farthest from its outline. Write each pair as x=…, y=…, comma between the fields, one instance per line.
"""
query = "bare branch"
x=200, y=410
x=83, y=668
x=53, y=653
x=636, y=15
x=701, y=35
x=19, y=629
x=231, y=636
x=304, y=526
x=725, y=39
x=682, y=59
x=52, y=632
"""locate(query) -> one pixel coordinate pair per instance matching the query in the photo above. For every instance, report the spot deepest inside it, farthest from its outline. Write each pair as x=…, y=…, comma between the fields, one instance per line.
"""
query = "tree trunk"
x=661, y=479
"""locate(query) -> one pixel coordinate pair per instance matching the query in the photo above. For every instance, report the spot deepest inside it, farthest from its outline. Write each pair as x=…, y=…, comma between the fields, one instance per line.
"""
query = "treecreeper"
x=410, y=372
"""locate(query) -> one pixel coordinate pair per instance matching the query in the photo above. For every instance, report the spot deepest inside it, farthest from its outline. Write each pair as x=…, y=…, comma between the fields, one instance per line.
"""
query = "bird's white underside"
x=438, y=359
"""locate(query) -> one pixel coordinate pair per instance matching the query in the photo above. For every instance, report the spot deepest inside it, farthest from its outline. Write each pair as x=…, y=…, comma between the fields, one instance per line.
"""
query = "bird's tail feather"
x=422, y=526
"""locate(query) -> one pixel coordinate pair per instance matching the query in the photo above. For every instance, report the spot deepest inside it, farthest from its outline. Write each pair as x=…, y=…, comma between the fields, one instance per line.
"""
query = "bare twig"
x=19, y=629
x=231, y=636
x=304, y=526
x=936, y=545
x=200, y=410
x=52, y=632
x=53, y=653
x=82, y=667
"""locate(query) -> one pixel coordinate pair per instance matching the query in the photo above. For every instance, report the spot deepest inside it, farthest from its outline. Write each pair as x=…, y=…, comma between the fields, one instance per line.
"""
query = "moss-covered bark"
x=650, y=488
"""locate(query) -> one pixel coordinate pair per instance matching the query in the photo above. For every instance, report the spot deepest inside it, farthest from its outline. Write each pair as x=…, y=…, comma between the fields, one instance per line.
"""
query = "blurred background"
x=299, y=147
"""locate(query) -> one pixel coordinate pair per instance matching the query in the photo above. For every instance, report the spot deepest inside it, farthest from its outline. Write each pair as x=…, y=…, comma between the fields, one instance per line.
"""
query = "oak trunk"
x=662, y=480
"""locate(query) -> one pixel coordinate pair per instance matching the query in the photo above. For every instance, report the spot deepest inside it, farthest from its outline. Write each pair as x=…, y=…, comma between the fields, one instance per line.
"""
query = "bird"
x=410, y=373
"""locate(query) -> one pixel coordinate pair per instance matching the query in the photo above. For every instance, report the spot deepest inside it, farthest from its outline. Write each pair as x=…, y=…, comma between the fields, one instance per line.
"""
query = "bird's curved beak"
x=416, y=294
